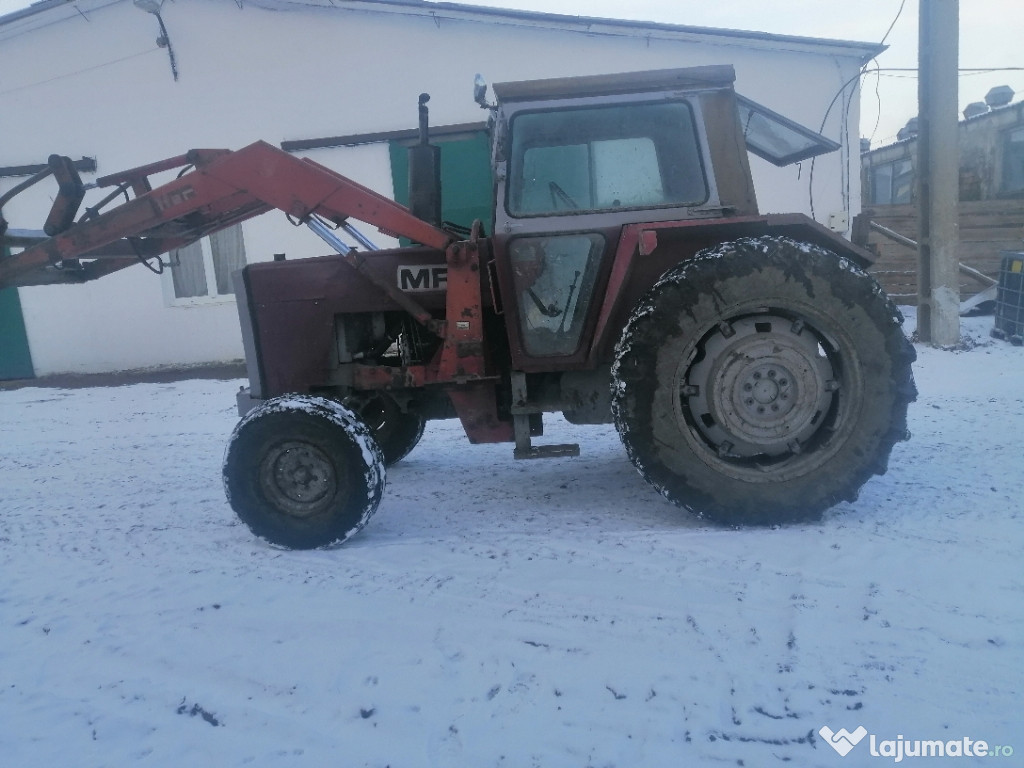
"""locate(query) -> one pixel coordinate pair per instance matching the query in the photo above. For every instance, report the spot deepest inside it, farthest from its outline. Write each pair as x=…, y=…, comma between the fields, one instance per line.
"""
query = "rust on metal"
x=462, y=351
x=225, y=188
x=477, y=408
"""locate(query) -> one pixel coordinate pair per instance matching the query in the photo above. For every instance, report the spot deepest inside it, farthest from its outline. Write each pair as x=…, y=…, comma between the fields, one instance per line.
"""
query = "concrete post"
x=938, y=173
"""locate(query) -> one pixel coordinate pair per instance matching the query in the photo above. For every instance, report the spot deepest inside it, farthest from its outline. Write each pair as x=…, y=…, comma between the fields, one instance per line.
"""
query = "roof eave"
x=591, y=25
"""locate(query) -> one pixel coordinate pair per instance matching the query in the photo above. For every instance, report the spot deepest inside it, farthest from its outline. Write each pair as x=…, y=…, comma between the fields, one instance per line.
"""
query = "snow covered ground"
x=499, y=613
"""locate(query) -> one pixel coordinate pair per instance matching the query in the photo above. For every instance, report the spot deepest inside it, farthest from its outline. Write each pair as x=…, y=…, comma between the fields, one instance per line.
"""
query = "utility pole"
x=938, y=173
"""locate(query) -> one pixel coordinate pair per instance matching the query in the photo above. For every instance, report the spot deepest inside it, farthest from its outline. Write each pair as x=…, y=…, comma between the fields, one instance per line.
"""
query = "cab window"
x=605, y=158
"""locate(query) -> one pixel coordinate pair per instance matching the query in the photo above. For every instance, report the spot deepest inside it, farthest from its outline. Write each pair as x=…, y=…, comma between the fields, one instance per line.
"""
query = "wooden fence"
x=986, y=228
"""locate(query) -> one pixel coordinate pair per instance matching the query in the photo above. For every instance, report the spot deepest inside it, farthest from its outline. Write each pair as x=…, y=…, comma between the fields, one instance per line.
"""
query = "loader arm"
x=224, y=188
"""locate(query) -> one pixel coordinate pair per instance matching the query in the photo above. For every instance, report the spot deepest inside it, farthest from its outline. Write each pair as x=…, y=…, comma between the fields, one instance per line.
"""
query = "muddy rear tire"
x=762, y=382
x=303, y=472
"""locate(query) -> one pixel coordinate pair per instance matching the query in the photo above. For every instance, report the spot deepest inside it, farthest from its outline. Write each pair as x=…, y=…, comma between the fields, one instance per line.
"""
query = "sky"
x=989, y=38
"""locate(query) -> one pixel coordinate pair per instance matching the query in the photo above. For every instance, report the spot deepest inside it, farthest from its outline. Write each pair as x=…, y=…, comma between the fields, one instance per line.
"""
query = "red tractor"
x=755, y=373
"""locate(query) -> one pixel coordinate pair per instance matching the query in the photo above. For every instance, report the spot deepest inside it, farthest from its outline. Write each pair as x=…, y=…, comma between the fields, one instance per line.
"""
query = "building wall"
x=991, y=209
x=97, y=85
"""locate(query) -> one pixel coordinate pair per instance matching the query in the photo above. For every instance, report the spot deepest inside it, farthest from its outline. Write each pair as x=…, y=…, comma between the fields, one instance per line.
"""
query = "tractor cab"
x=580, y=162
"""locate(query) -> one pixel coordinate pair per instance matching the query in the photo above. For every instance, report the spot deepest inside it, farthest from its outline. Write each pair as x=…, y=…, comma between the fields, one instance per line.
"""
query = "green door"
x=466, y=186
x=15, y=358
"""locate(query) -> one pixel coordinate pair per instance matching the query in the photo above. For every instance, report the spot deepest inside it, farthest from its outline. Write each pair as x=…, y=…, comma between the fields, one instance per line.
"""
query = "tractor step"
x=526, y=426
x=547, y=451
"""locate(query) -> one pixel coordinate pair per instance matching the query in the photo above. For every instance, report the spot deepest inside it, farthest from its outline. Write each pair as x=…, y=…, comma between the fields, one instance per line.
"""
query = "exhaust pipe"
x=425, y=172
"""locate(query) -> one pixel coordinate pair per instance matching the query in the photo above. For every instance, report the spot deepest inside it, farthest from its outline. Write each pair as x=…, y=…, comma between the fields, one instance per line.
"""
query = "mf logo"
x=843, y=741
x=173, y=198
x=423, y=278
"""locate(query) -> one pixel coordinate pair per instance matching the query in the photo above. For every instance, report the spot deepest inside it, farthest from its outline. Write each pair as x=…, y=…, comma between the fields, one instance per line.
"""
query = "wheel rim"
x=299, y=479
x=760, y=390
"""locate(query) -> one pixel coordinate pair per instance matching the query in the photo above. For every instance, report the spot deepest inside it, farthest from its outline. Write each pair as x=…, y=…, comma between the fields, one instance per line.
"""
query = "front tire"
x=762, y=382
x=303, y=472
x=396, y=431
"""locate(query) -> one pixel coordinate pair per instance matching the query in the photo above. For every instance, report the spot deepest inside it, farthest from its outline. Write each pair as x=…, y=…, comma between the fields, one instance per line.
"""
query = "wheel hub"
x=761, y=387
x=299, y=478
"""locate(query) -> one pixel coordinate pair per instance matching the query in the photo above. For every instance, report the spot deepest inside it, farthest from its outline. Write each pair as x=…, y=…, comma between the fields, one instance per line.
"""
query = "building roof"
x=49, y=11
x=1008, y=114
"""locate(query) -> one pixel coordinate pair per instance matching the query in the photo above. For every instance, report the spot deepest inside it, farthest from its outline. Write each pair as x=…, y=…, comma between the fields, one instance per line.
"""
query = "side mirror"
x=480, y=92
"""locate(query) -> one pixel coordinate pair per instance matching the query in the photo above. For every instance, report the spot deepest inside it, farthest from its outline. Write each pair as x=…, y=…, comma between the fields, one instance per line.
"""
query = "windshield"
x=605, y=158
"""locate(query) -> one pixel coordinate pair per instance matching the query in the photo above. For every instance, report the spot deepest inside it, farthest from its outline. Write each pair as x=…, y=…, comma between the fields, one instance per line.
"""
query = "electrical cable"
x=898, y=14
x=15, y=89
x=878, y=102
x=166, y=39
x=828, y=111
x=845, y=134
x=972, y=70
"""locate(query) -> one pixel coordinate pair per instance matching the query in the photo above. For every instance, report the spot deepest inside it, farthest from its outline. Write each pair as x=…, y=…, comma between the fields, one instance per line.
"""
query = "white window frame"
x=896, y=172
x=171, y=299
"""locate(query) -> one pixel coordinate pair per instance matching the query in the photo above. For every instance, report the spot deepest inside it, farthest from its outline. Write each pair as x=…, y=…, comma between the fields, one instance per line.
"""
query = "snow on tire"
x=762, y=382
x=303, y=472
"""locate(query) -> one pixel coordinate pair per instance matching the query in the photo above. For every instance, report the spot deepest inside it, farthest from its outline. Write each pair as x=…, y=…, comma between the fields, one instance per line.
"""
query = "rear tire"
x=303, y=472
x=762, y=382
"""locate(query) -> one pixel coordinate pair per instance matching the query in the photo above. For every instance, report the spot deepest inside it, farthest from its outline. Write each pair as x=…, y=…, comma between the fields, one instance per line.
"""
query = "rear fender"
x=646, y=251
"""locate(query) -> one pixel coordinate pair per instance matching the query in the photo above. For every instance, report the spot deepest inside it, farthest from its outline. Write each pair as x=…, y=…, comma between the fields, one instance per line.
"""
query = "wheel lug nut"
x=771, y=374
x=757, y=375
x=783, y=382
x=747, y=387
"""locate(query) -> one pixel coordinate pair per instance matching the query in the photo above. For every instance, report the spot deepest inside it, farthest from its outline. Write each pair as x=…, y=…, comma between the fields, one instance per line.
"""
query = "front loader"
x=755, y=373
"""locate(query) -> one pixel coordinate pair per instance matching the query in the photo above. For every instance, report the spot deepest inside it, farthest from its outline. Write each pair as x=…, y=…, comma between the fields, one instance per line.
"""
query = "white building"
x=90, y=78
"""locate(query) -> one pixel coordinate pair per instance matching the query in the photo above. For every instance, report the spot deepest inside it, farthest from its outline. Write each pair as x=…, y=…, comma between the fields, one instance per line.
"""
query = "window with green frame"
x=466, y=183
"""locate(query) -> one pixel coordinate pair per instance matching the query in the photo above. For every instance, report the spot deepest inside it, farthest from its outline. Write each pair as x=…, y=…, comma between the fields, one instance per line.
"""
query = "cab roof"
x=687, y=78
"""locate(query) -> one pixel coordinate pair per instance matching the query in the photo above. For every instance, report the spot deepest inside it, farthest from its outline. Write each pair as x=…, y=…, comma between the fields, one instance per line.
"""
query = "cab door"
x=573, y=174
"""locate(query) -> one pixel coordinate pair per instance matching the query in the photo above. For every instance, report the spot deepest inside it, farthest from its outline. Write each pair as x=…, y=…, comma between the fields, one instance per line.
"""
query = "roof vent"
x=908, y=131
x=999, y=96
x=975, y=108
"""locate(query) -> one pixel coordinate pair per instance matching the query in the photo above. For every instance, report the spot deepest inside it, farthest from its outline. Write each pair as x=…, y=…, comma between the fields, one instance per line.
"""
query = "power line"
x=898, y=14
x=844, y=127
x=960, y=69
x=76, y=72
x=912, y=74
